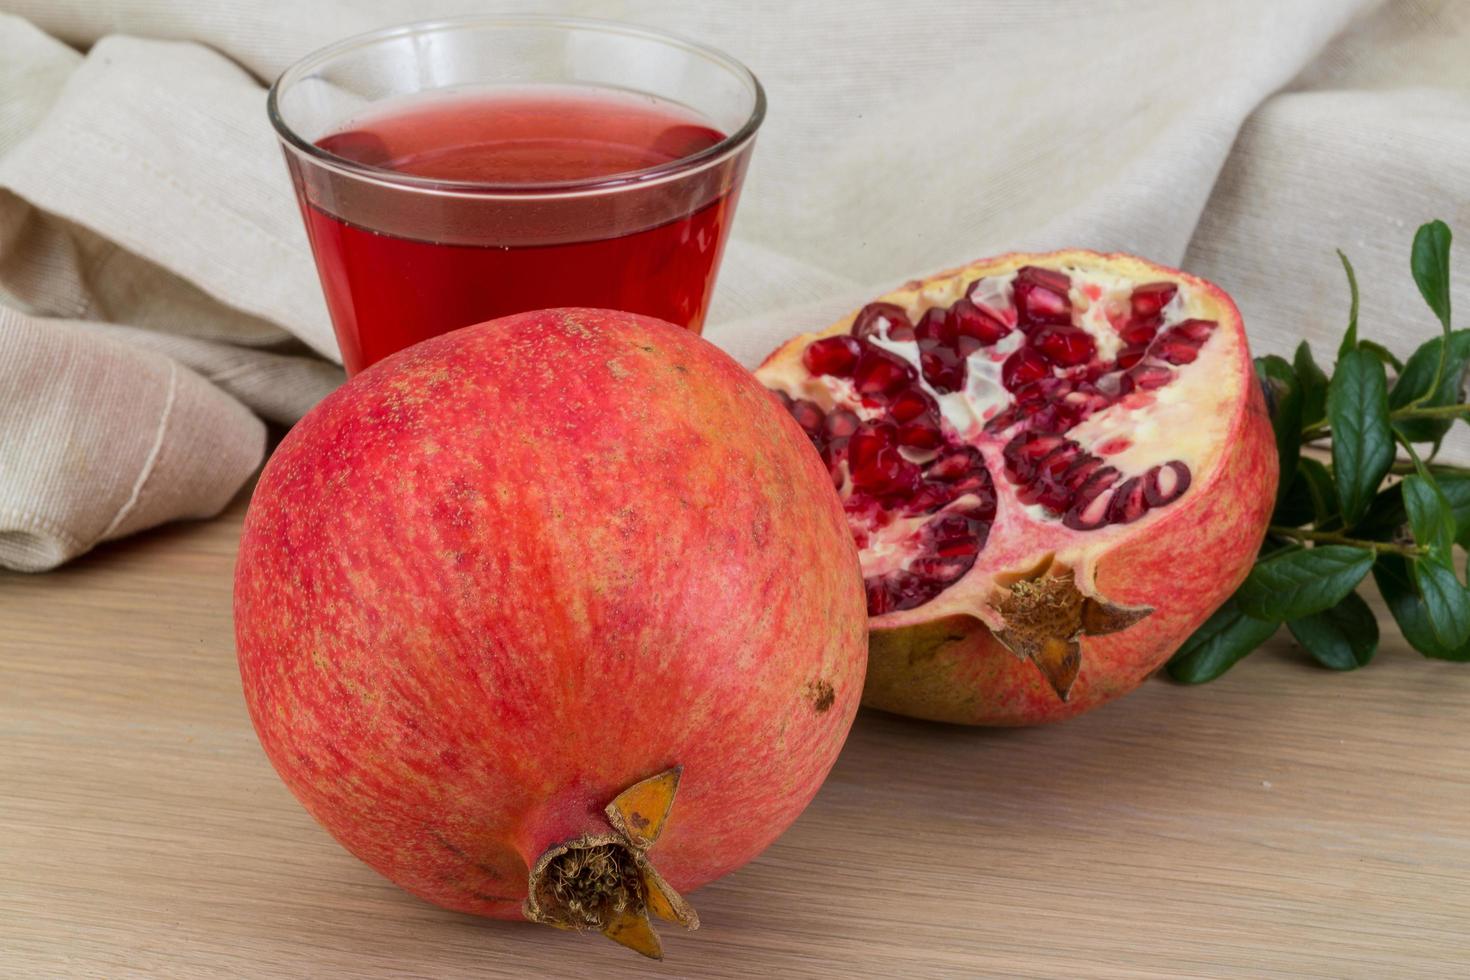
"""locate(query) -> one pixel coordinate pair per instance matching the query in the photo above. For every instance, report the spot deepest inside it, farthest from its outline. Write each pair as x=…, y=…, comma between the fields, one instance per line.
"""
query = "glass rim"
x=700, y=160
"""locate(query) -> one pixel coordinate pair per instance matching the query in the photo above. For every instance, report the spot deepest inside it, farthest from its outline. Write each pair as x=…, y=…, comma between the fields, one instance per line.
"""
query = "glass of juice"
x=455, y=171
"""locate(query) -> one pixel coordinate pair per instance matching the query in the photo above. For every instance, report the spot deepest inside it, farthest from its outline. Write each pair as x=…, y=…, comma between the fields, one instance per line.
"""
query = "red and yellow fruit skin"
x=503, y=575
x=955, y=670
x=1187, y=561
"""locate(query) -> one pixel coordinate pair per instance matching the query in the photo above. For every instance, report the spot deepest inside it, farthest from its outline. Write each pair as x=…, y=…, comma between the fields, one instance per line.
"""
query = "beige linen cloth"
x=158, y=301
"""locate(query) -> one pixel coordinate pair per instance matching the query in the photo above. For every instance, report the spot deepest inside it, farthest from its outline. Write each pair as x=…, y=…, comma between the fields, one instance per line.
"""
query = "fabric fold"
x=158, y=301
x=103, y=439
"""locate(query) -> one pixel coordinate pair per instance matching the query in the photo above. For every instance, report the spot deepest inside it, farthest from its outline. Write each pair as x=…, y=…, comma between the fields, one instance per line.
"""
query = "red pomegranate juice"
x=401, y=266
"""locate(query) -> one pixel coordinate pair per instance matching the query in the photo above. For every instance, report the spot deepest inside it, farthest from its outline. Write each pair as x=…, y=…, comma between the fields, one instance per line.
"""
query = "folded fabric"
x=158, y=299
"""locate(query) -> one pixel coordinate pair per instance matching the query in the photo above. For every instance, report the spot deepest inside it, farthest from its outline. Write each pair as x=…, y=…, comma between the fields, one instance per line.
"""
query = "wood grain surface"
x=1280, y=822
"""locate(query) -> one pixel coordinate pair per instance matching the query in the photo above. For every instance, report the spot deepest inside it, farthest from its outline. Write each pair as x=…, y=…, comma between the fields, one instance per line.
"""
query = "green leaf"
x=1456, y=490
x=1319, y=483
x=1313, y=385
x=1298, y=583
x=1382, y=353
x=1446, y=601
x=1396, y=585
x=1417, y=376
x=1386, y=516
x=1286, y=418
x=1362, y=441
x=1344, y=637
x=1219, y=643
x=1312, y=497
x=1430, y=517
x=1416, y=382
x=1350, y=337
x=1430, y=262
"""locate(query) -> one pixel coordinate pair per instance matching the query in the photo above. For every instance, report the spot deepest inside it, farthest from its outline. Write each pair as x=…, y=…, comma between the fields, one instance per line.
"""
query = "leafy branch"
x=1367, y=512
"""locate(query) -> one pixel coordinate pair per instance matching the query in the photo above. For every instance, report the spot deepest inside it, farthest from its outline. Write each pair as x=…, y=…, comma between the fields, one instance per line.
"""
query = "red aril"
x=502, y=594
x=1099, y=482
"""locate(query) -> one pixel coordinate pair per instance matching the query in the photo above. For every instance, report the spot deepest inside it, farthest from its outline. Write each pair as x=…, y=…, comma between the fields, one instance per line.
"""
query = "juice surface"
x=385, y=291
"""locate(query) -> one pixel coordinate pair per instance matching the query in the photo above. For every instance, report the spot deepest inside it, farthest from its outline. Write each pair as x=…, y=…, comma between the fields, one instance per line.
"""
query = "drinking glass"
x=403, y=256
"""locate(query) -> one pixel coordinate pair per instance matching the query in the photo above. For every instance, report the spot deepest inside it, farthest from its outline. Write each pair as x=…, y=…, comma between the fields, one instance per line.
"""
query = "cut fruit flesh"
x=1074, y=398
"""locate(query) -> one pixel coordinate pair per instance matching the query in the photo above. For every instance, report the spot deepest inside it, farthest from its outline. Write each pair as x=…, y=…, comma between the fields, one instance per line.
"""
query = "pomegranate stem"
x=1332, y=537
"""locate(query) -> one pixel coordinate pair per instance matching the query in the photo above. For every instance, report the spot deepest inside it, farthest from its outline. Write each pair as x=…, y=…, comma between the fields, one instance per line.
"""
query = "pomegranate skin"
x=1180, y=563
x=505, y=574
x=955, y=670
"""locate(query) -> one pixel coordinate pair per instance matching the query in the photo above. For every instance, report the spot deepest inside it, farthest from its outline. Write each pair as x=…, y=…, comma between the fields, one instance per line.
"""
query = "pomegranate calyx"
x=606, y=882
x=1046, y=617
x=640, y=811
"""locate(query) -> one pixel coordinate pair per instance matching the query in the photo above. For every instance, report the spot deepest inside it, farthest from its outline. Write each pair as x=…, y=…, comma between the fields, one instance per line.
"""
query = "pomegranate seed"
x=1090, y=500
x=835, y=356
x=952, y=543
x=808, y=415
x=930, y=497
x=1042, y=296
x=869, y=440
x=908, y=591
x=1053, y=496
x=881, y=373
x=1059, y=460
x=1147, y=300
x=1002, y=421
x=942, y=570
x=1025, y=451
x=920, y=434
x=984, y=509
x=1056, y=417
x=876, y=466
x=1030, y=396
x=1101, y=479
x=836, y=451
x=956, y=464
x=1088, y=513
x=959, y=547
x=889, y=476
x=840, y=423
x=1129, y=356
x=1149, y=376
x=909, y=405
x=880, y=600
x=1128, y=503
x=966, y=320
x=1139, y=331
x=1196, y=330
x=1080, y=471
x=943, y=368
x=1165, y=484
x=1023, y=367
x=950, y=528
x=1175, y=350
x=1066, y=346
x=1027, y=492
x=933, y=327
x=1114, y=446
x=884, y=319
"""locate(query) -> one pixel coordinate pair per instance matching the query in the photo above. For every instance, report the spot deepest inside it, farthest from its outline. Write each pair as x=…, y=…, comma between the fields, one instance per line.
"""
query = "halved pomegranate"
x=1055, y=466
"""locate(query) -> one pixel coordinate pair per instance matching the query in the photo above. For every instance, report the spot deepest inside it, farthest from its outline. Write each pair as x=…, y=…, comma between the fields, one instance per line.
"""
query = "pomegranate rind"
x=942, y=660
x=503, y=575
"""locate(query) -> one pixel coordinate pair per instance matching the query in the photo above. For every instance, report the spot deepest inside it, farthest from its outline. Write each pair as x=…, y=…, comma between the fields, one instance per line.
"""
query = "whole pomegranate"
x=1055, y=467
x=502, y=595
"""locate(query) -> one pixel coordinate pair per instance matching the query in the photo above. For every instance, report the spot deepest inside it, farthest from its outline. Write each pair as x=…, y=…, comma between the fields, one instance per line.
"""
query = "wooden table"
x=1282, y=821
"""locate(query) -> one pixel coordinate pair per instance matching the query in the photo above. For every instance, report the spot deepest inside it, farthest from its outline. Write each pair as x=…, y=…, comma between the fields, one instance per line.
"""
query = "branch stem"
x=1332, y=537
x=1321, y=429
